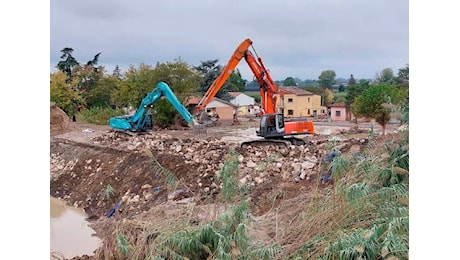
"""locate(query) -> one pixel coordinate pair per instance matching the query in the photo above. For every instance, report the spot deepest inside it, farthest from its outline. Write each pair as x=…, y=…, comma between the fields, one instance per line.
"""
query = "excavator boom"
x=139, y=121
x=220, y=80
x=272, y=127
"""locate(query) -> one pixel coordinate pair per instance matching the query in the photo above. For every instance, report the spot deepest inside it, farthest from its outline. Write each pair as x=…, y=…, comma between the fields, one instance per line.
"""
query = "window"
x=290, y=112
x=308, y=112
x=289, y=100
x=337, y=113
x=308, y=100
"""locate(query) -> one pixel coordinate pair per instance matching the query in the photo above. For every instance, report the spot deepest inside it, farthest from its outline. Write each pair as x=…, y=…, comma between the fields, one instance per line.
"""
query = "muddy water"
x=70, y=234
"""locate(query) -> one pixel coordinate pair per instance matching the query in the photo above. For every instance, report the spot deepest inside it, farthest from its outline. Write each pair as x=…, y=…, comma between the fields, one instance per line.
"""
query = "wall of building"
x=243, y=100
x=338, y=114
x=225, y=113
x=301, y=106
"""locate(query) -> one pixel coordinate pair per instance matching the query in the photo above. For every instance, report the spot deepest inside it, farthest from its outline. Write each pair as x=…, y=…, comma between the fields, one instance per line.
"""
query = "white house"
x=244, y=103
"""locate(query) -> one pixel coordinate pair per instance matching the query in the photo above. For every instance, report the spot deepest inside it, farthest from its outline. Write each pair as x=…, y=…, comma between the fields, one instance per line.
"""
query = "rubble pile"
x=256, y=164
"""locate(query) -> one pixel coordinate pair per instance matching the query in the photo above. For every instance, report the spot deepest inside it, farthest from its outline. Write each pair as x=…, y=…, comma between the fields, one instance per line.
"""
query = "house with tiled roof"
x=297, y=102
x=246, y=104
x=338, y=111
x=222, y=109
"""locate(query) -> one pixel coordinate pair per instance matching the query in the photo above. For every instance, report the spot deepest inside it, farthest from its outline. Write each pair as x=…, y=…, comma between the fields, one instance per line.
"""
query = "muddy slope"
x=81, y=174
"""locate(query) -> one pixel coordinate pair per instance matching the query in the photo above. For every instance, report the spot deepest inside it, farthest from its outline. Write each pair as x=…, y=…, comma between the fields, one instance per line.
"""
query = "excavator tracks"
x=282, y=142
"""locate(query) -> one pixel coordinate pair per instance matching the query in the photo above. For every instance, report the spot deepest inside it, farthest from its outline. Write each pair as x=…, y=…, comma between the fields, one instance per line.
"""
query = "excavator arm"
x=268, y=88
x=239, y=53
x=138, y=121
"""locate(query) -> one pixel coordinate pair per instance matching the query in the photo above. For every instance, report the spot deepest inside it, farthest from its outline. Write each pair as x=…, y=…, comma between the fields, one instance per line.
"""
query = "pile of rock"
x=256, y=164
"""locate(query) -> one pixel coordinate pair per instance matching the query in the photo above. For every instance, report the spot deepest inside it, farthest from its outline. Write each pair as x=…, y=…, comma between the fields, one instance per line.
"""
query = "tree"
x=327, y=78
x=289, y=81
x=328, y=97
x=386, y=76
x=181, y=77
x=117, y=72
x=92, y=63
x=63, y=94
x=351, y=80
x=137, y=83
x=103, y=95
x=209, y=71
x=87, y=79
x=353, y=91
x=235, y=82
x=67, y=64
x=374, y=103
x=403, y=77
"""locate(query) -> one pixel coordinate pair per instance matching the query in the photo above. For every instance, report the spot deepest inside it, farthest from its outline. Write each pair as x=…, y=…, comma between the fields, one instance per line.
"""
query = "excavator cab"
x=271, y=126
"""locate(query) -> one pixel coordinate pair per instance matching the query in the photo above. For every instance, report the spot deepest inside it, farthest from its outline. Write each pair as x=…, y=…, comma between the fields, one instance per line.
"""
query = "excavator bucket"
x=200, y=129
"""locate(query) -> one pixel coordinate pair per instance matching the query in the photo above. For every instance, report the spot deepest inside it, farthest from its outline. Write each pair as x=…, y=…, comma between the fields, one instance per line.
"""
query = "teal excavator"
x=141, y=121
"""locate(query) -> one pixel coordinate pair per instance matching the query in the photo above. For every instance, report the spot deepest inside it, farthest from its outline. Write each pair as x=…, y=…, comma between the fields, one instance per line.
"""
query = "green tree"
x=403, y=77
x=327, y=78
x=137, y=83
x=209, y=70
x=289, y=81
x=104, y=94
x=235, y=82
x=328, y=97
x=87, y=78
x=92, y=63
x=182, y=78
x=63, y=94
x=117, y=73
x=351, y=80
x=354, y=91
x=375, y=101
x=67, y=64
x=386, y=76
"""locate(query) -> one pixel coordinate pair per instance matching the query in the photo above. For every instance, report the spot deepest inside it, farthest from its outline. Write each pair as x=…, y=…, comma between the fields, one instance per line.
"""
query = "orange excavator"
x=273, y=127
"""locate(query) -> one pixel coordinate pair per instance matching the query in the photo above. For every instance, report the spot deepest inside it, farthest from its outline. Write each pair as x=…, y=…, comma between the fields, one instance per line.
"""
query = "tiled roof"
x=223, y=101
x=235, y=94
x=340, y=104
x=295, y=90
x=193, y=101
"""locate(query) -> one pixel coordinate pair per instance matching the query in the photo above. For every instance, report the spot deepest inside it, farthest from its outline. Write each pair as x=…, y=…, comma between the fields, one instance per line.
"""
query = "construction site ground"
x=86, y=159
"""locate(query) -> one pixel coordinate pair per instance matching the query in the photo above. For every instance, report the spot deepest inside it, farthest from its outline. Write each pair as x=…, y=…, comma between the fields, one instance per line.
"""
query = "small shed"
x=338, y=111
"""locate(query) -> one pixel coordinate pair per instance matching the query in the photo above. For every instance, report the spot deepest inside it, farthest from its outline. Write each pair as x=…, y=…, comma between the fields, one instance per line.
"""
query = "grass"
x=108, y=192
x=366, y=214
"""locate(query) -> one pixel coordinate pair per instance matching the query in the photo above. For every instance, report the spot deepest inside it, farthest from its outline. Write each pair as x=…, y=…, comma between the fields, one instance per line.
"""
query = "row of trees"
x=77, y=85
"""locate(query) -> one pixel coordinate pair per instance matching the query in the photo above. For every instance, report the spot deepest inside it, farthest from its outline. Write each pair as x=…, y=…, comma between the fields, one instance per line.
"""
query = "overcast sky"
x=297, y=38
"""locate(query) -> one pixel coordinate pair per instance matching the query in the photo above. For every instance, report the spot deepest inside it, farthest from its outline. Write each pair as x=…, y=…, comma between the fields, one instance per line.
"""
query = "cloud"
x=294, y=38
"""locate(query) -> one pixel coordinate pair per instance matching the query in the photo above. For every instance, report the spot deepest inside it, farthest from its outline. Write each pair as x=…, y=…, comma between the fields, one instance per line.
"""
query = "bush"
x=99, y=116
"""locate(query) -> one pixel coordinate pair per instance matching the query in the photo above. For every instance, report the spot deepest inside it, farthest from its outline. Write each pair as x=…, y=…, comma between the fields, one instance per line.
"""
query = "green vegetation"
x=98, y=115
x=108, y=192
x=377, y=101
x=366, y=215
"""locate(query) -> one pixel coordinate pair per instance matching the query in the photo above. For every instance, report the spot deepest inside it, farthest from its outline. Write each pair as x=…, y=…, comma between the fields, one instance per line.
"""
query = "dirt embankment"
x=59, y=121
